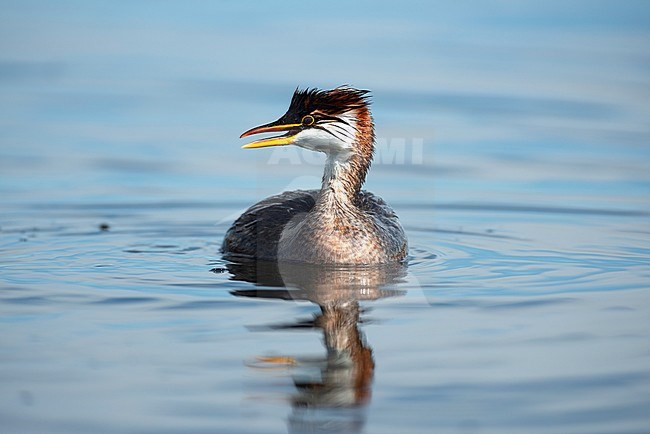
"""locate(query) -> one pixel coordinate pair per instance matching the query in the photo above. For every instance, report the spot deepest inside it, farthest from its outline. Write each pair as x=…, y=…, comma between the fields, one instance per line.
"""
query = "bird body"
x=338, y=224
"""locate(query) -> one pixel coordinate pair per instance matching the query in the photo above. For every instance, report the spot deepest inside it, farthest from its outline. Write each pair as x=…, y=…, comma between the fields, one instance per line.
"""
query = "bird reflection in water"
x=347, y=369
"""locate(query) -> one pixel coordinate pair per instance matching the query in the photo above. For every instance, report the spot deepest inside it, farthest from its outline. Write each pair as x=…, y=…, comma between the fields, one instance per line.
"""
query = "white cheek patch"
x=348, y=124
x=338, y=137
x=318, y=140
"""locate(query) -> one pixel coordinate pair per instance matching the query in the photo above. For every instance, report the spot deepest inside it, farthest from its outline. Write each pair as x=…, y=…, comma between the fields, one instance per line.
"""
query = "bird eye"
x=308, y=120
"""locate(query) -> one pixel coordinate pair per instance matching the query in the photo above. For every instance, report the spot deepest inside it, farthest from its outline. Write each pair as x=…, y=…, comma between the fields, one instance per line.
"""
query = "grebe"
x=338, y=224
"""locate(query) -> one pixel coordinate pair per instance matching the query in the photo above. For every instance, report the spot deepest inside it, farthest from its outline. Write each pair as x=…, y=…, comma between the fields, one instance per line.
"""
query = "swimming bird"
x=338, y=224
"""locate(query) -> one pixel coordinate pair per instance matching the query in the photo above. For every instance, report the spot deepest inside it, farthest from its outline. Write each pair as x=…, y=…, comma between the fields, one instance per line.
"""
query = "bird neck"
x=345, y=171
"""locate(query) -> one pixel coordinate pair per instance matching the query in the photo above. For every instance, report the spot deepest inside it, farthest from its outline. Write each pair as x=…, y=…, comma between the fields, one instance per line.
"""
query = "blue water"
x=513, y=142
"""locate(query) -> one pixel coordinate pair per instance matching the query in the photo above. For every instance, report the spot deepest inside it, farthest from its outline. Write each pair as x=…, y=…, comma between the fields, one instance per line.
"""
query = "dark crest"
x=331, y=102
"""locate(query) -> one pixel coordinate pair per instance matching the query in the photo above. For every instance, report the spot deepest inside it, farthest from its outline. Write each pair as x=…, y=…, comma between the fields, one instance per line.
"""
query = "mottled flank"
x=257, y=232
x=340, y=223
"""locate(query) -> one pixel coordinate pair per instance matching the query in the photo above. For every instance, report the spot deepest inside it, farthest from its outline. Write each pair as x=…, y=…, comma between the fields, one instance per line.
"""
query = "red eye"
x=308, y=120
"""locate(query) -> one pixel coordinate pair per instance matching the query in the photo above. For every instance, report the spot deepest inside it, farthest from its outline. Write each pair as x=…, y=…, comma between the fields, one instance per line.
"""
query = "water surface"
x=512, y=142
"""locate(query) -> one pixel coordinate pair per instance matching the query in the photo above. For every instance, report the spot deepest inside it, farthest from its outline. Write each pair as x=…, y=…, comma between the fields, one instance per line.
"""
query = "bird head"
x=320, y=120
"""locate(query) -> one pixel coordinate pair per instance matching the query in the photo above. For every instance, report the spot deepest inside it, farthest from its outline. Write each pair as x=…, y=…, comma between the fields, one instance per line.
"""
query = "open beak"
x=285, y=139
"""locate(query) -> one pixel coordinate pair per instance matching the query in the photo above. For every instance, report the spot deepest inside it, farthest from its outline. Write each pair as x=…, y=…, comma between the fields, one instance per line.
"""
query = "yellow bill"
x=271, y=141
